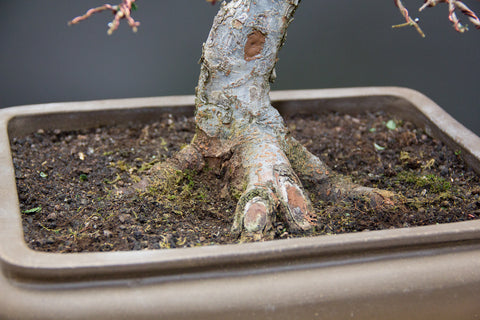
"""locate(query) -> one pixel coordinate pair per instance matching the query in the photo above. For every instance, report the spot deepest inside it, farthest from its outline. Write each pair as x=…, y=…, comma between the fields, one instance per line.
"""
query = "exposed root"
x=272, y=188
x=165, y=173
x=331, y=186
x=265, y=174
x=255, y=211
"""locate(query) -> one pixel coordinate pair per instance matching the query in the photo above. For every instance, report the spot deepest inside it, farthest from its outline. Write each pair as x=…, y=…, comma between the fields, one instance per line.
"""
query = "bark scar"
x=254, y=45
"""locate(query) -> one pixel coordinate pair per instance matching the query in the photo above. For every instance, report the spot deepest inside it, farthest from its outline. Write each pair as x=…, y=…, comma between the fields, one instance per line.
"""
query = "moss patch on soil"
x=67, y=180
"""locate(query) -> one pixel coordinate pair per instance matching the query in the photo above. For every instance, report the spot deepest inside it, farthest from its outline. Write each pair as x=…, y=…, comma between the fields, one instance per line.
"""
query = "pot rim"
x=19, y=260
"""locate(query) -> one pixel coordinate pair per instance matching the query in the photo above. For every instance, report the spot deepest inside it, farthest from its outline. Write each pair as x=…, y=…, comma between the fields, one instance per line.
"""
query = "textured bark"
x=238, y=129
x=237, y=63
x=234, y=110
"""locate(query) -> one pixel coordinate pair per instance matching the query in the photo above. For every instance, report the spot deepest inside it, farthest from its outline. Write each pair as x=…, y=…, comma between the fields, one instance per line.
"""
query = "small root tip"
x=298, y=208
x=256, y=216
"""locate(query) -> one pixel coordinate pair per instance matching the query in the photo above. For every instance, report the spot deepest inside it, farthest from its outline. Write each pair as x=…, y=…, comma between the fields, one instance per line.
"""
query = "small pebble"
x=123, y=217
x=52, y=216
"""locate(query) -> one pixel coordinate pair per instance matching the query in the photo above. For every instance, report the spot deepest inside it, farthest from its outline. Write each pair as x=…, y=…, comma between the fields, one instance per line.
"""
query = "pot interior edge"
x=399, y=106
x=19, y=126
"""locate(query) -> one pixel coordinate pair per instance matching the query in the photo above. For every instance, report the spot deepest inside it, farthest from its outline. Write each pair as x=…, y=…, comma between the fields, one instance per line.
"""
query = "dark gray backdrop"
x=331, y=43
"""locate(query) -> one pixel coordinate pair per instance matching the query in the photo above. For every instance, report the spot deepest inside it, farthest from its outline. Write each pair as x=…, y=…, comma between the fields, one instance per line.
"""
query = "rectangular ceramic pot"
x=430, y=272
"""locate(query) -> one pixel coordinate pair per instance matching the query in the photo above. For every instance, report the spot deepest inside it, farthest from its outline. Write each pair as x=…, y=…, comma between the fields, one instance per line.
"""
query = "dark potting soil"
x=66, y=183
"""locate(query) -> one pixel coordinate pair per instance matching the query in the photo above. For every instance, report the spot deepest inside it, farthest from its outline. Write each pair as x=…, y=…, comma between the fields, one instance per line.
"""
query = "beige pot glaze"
x=428, y=272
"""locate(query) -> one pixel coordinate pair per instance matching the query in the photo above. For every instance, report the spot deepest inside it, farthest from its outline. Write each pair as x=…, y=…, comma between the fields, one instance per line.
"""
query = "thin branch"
x=408, y=19
x=452, y=6
x=121, y=11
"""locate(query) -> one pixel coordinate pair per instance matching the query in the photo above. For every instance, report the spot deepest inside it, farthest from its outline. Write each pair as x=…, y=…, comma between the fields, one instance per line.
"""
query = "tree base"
x=266, y=176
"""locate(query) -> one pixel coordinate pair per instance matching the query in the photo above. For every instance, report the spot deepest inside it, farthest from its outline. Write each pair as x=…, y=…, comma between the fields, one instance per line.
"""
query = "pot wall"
x=394, y=274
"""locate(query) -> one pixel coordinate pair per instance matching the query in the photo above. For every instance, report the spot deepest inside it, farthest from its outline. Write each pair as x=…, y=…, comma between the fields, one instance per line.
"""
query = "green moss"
x=431, y=182
x=121, y=165
x=145, y=166
x=178, y=190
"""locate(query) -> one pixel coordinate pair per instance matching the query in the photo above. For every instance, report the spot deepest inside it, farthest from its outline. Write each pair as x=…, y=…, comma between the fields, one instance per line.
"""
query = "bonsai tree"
x=239, y=131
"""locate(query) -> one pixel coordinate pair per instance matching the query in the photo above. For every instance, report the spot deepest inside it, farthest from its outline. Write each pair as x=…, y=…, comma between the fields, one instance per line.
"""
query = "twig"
x=408, y=19
x=452, y=6
x=121, y=11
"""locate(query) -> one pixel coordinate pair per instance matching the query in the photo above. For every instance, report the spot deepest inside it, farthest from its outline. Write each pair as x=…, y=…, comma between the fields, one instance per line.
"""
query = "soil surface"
x=66, y=183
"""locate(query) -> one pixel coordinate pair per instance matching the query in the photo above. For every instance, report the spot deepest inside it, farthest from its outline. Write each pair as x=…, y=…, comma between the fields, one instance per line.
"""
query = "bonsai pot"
x=409, y=273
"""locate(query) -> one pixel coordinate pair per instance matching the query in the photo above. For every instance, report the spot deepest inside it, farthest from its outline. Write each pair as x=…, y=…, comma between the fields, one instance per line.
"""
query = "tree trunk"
x=234, y=111
x=238, y=129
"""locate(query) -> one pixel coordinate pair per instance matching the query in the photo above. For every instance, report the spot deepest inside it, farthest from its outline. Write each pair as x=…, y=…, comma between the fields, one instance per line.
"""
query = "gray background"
x=331, y=43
